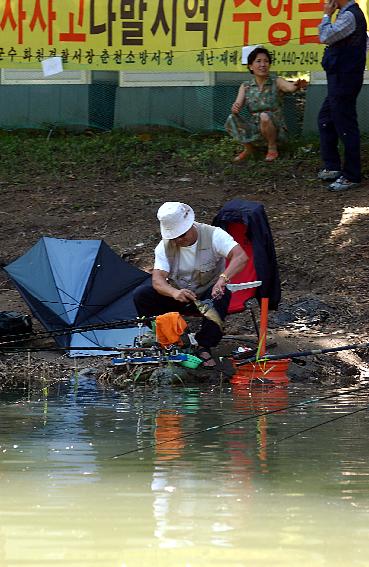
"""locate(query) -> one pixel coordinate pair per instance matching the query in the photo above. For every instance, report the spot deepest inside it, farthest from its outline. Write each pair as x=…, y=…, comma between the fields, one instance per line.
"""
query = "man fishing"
x=193, y=261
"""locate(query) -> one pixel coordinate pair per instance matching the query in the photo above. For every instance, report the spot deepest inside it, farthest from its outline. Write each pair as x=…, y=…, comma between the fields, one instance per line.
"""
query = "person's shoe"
x=271, y=155
x=328, y=175
x=342, y=184
x=214, y=363
x=243, y=155
x=207, y=358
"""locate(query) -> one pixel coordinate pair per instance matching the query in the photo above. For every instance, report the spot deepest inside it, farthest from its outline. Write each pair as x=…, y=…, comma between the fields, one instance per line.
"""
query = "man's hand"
x=218, y=289
x=184, y=295
x=330, y=7
x=162, y=286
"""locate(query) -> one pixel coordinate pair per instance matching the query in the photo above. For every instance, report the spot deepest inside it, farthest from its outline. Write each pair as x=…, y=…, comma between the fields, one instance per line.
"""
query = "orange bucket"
x=273, y=370
x=257, y=400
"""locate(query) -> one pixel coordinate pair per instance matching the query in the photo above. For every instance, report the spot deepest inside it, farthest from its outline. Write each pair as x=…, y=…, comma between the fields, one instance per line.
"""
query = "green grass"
x=60, y=155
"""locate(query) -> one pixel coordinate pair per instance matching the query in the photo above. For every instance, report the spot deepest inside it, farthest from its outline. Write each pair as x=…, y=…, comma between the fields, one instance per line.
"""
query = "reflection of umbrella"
x=74, y=283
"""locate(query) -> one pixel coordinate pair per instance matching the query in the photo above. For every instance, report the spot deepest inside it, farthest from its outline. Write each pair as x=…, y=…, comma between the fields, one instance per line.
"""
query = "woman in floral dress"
x=262, y=95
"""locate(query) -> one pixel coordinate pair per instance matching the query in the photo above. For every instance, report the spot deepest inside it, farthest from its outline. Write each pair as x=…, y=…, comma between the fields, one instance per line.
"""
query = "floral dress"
x=269, y=99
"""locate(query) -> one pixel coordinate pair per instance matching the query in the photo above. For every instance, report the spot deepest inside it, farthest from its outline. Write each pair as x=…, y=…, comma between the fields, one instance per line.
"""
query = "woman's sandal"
x=243, y=155
x=271, y=155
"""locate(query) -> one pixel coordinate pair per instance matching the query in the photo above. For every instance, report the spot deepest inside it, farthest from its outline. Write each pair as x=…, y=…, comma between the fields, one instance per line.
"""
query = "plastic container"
x=274, y=371
x=191, y=362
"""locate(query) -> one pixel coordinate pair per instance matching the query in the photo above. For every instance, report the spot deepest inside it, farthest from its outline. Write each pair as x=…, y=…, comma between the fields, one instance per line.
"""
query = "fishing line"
x=304, y=353
x=317, y=425
x=60, y=349
x=235, y=421
x=104, y=325
x=123, y=323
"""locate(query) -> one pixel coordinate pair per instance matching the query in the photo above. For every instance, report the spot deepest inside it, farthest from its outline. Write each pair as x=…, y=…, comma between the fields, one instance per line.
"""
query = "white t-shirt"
x=222, y=243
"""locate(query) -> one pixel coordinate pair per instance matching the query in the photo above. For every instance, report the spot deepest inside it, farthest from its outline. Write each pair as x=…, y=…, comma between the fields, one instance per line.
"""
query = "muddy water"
x=229, y=478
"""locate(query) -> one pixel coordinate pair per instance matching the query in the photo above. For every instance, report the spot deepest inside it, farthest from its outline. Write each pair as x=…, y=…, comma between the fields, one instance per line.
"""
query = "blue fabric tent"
x=69, y=284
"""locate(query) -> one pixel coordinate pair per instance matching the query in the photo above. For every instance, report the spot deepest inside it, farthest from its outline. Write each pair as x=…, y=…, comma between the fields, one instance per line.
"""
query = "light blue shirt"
x=344, y=25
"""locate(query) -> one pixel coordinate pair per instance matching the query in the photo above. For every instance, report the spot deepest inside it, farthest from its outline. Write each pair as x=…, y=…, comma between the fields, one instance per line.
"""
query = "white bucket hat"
x=175, y=219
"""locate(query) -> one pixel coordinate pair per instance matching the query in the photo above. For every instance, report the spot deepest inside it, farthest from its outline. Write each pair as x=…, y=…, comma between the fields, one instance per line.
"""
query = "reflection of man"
x=190, y=265
x=344, y=63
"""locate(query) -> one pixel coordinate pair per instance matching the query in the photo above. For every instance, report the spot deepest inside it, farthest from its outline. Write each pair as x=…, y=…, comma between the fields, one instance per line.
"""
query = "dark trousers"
x=337, y=120
x=149, y=303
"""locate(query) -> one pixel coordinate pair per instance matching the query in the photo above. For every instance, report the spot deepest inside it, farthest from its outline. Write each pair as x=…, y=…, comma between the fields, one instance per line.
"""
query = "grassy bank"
x=29, y=155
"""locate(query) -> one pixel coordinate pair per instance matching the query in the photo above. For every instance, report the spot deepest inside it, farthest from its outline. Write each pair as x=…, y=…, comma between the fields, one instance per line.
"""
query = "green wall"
x=43, y=106
x=314, y=98
x=103, y=104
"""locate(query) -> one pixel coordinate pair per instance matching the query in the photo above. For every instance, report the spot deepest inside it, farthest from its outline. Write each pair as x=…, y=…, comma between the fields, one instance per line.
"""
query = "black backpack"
x=14, y=326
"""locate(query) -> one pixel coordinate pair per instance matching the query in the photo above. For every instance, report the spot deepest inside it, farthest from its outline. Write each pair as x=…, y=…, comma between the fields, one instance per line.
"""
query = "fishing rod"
x=204, y=307
x=241, y=420
x=317, y=425
x=312, y=352
x=123, y=323
x=58, y=349
x=126, y=355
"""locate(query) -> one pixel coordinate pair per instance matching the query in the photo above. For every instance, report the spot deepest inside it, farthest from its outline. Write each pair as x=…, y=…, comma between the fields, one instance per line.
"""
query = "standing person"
x=261, y=94
x=344, y=64
x=189, y=265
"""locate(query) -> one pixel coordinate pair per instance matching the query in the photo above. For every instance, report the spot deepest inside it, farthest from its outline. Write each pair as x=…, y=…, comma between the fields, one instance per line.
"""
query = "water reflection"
x=258, y=402
x=169, y=440
x=205, y=478
x=234, y=455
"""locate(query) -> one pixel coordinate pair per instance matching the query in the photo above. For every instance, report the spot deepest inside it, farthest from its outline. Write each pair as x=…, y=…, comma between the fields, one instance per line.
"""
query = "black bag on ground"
x=14, y=326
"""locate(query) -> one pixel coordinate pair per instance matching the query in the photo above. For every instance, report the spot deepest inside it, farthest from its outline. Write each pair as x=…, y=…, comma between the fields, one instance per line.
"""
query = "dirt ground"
x=321, y=240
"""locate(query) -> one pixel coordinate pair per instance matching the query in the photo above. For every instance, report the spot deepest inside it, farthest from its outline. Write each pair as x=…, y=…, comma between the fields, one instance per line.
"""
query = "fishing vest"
x=207, y=266
x=348, y=55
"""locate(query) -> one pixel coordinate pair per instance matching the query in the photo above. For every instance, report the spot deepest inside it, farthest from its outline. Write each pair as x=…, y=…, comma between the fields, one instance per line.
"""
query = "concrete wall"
x=102, y=103
x=314, y=98
x=75, y=100
x=190, y=108
x=43, y=106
